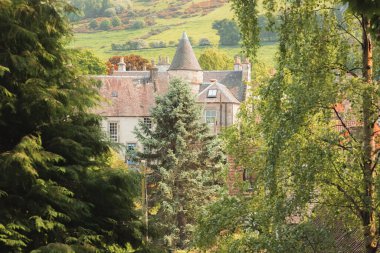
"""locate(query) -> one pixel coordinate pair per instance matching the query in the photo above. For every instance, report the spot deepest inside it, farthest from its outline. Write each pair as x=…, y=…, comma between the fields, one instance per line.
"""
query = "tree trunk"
x=369, y=155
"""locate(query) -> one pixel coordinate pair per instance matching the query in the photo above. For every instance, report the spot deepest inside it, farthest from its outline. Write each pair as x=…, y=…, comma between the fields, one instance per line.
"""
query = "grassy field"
x=196, y=27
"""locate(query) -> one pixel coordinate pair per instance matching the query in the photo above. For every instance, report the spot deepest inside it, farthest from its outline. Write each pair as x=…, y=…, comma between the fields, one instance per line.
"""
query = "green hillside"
x=198, y=25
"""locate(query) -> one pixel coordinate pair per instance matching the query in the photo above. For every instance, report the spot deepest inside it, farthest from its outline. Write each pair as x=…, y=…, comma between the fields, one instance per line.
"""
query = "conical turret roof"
x=184, y=58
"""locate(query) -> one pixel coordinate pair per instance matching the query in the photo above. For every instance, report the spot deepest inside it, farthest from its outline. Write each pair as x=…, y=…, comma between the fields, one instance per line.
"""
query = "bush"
x=105, y=24
x=130, y=45
x=119, y=9
x=110, y=12
x=204, y=42
x=157, y=44
x=131, y=14
x=93, y=24
x=214, y=59
x=116, y=21
x=138, y=25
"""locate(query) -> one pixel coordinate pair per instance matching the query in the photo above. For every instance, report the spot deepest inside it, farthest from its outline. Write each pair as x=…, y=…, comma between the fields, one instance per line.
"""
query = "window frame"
x=148, y=122
x=114, y=137
x=212, y=93
x=207, y=117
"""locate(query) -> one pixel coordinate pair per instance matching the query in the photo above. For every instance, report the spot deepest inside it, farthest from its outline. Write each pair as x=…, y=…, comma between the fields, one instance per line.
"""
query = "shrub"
x=116, y=21
x=110, y=12
x=93, y=24
x=214, y=59
x=130, y=45
x=204, y=42
x=105, y=24
x=138, y=25
x=131, y=14
x=137, y=44
x=119, y=9
x=157, y=44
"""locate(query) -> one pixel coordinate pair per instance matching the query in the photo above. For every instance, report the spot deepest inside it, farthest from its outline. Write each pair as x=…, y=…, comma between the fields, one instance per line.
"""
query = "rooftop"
x=184, y=58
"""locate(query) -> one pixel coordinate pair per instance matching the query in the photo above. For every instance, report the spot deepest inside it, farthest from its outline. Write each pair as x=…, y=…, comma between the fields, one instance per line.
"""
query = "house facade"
x=129, y=95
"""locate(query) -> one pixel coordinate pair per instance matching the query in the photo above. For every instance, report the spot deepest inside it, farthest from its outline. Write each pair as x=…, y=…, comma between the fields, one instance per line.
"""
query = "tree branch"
x=343, y=124
x=357, y=208
x=349, y=33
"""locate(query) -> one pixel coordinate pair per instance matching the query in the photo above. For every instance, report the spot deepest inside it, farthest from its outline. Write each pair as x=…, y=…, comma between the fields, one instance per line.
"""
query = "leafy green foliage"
x=87, y=62
x=228, y=31
x=214, y=59
x=89, y=8
x=116, y=21
x=138, y=25
x=57, y=190
x=105, y=24
x=249, y=27
x=314, y=127
x=204, y=42
x=185, y=162
x=93, y=24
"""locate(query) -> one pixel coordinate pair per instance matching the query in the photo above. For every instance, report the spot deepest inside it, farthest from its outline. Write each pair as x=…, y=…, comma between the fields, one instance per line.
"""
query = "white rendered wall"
x=126, y=128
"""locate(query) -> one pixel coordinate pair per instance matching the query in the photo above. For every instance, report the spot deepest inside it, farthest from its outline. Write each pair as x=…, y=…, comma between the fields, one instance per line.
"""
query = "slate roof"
x=184, y=58
x=224, y=95
x=230, y=78
x=128, y=96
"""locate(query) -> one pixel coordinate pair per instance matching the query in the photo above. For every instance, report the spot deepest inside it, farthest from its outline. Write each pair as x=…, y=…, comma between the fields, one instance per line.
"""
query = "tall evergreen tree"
x=186, y=161
x=57, y=187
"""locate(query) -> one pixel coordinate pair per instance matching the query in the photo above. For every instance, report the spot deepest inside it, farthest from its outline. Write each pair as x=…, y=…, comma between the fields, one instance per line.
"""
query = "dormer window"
x=114, y=94
x=211, y=93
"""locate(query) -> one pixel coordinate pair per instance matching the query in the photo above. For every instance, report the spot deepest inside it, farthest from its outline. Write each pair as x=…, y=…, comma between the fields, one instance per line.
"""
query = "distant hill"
x=154, y=22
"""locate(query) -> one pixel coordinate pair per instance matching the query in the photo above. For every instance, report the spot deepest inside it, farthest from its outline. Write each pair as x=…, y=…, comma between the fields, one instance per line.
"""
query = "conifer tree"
x=185, y=161
x=57, y=189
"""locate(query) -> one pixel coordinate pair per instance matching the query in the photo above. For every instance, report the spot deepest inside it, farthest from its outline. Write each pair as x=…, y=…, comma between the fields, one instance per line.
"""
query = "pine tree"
x=56, y=184
x=185, y=161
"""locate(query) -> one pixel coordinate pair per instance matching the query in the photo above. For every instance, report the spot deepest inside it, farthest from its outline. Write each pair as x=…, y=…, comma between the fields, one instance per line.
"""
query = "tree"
x=185, y=160
x=319, y=112
x=132, y=61
x=116, y=21
x=214, y=59
x=57, y=187
x=204, y=42
x=137, y=25
x=105, y=25
x=228, y=31
x=93, y=24
x=87, y=62
x=110, y=12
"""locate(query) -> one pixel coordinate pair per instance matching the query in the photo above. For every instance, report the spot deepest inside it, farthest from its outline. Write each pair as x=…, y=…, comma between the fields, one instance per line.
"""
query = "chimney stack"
x=121, y=66
x=237, y=64
x=246, y=68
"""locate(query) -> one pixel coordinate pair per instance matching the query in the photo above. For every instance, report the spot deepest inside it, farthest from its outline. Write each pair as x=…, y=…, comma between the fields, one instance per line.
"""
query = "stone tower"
x=185, y=65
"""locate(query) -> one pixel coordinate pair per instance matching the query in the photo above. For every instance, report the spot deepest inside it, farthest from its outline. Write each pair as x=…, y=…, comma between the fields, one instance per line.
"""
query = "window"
x=131, y=154
x=113, y=131
x=210, y=116
x=148, y=122
x=211, y=93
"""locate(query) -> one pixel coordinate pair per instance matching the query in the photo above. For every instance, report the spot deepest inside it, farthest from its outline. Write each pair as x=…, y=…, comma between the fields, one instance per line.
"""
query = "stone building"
x=130, y=95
